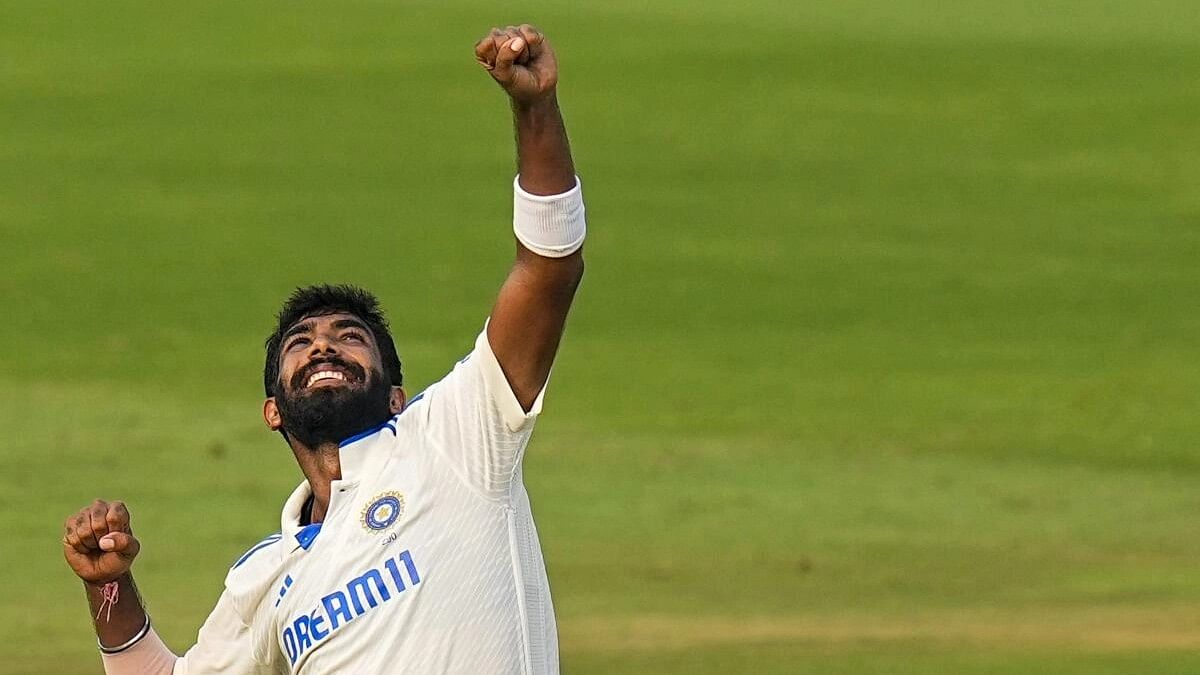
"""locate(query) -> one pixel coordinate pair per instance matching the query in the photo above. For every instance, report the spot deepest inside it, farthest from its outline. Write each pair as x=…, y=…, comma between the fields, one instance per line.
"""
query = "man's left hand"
x=521, y=60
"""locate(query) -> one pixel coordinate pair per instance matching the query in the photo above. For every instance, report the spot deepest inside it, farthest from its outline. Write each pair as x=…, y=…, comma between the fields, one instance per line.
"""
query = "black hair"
x=323, y=300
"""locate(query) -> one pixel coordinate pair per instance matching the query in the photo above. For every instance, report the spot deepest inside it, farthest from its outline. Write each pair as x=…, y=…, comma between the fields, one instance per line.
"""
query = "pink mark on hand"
x=111, y=593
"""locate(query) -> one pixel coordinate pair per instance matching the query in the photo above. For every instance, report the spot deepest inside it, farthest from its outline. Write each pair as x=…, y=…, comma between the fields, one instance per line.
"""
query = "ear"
x=397, y=400
x=271, y=415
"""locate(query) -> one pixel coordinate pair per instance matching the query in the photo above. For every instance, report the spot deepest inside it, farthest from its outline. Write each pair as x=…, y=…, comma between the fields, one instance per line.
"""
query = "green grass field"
x=885, y=361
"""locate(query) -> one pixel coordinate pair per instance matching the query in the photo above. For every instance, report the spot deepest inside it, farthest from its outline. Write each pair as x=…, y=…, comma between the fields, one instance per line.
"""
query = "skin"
x=304, y=350
x=526, y=325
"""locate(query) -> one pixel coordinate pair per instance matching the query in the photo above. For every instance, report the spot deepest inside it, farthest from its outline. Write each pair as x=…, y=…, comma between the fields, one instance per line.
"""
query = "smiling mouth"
x=324, y=375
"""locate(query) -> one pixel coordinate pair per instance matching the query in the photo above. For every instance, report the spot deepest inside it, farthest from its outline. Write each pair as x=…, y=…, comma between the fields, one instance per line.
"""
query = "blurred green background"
x=885, y=361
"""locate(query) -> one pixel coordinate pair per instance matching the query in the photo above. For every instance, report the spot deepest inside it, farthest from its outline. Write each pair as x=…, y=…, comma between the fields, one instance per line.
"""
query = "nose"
x=322, y=346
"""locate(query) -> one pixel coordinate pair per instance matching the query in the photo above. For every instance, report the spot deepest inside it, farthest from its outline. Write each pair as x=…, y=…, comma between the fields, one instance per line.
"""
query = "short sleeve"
x=477, y=421
x=224, y=645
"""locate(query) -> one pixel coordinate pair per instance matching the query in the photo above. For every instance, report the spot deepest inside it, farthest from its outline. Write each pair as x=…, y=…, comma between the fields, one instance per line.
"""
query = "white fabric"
x=147, y=656
x=553, y=226
x=460, y=567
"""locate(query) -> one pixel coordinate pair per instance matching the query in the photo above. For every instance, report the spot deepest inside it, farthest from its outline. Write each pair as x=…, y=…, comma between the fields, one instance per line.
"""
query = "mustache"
x=355, y=371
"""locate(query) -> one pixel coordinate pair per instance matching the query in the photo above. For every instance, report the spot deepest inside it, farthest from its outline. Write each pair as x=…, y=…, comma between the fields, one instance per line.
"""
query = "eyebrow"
x=302, y=327
x=306, y=326
x=351, y=323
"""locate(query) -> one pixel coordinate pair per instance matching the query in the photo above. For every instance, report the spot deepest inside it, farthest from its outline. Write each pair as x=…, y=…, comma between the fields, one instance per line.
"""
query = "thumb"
x=123, y=543
x=506, y=56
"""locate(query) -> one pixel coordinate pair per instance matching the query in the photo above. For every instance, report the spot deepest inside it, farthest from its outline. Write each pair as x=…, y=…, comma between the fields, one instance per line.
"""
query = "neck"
x=321, y=466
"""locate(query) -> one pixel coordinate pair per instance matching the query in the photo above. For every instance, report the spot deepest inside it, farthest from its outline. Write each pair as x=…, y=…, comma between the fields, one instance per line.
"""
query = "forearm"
x=128, y=644
x=548, y=216
x=543, y=151
x=118, y=619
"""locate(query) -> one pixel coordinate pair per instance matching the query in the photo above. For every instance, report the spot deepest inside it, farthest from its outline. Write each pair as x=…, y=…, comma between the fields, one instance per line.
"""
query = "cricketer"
x=410, y=546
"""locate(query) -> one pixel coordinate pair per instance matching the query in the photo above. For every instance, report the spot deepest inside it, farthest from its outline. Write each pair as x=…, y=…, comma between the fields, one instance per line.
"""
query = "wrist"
x=133, y=640
x=93, y=585
x=546, y=104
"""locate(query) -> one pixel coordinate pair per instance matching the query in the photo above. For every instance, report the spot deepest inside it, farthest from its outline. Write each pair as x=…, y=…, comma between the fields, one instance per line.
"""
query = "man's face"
x=331, y=381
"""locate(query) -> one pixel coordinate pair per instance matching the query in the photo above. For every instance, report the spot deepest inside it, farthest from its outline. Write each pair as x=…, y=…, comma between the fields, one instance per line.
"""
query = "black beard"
x=333, y=414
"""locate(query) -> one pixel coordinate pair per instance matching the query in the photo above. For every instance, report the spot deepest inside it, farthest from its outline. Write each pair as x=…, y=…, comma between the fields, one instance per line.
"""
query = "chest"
x=366, y=567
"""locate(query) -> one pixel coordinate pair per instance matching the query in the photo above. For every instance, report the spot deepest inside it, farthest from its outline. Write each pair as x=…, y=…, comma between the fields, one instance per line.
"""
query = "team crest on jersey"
x=383, y=511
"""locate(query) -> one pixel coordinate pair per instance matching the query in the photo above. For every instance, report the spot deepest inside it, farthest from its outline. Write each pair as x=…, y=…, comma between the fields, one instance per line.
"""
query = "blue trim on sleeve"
x=256, y=548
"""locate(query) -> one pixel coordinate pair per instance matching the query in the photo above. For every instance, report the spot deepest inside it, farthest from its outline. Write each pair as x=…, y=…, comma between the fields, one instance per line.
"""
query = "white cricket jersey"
x=427, y=561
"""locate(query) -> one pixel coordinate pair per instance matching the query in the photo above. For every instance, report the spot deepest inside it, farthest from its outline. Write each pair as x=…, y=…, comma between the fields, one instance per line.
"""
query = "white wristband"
x=552, y=225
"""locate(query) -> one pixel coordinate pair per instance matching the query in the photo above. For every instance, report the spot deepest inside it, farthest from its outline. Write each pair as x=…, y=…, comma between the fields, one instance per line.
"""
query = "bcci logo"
x=383, y=511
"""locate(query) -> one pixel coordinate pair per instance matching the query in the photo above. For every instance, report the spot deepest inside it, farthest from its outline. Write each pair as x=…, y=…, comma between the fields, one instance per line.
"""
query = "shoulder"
x=414, y=415
x=267, y=542
x=259, y=561
x=252, y=574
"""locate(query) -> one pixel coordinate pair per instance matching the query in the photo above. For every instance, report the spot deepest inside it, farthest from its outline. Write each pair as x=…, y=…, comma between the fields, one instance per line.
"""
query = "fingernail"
x=517, y=44
x=106, y=544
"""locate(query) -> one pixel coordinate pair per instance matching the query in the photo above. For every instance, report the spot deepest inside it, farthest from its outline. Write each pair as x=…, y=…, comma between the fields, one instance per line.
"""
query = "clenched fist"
x=99, y=544
x=520, y=59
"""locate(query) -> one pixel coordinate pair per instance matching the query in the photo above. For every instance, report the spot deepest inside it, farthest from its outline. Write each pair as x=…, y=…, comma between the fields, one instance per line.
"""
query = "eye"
x=297, y=342
x=354, y=336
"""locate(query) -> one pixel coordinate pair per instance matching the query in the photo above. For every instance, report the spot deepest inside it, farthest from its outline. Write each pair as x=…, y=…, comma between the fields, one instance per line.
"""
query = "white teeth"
x=325, y=375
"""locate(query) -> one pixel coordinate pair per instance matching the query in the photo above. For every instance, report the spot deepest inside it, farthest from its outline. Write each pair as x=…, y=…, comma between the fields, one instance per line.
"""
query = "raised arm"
x=530, y=312
x=100, y=547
